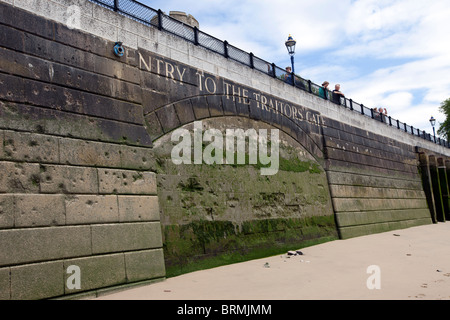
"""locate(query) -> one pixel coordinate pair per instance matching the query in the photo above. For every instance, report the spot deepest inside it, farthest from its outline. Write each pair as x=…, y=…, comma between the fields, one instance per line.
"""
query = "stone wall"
x=86, y=179
x=374, y=181
x=76, y=183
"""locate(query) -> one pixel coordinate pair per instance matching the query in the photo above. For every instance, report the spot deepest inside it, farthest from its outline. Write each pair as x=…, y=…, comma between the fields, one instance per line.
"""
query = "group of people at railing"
x=335, y=96
x=379, y=114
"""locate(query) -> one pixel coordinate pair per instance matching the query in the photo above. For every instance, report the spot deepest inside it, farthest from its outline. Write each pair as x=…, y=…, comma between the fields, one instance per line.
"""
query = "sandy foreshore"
x=411, y=263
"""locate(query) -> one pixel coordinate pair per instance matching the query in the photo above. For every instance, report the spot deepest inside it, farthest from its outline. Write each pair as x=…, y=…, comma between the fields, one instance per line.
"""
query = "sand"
x=411, y=263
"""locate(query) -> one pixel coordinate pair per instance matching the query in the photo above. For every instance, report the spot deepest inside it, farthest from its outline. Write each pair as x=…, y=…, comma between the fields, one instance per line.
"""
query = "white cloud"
x=400, y=99
x=399, y=29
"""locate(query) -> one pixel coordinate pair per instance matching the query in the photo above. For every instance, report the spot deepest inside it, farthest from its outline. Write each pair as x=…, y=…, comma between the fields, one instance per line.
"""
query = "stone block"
x=126, y=181
x=242, y=107
x=5, y=284
x=372, y=217
x=360, y=230
x=39, y=210
x=343, y=191
x=8, y=35
x=89, y=153
x=126, y=237
x=138, y=208
x=30, y=147
x=97, y=272
x=113, y=131
x=154, y=127
x=140, y=158
x=255, y=111
x=60, y=123
x=37, y=281
x=19, y=177
x=152, y=81
x=152, y=100
x=168, y=118
x=362, y=204
x=184, y=111
x=68, y=179
x=40, y=244
x=7, y=209
x=215, y=105
x=66, y=99
x=330, y=133
x=200, y=107
x=228, y=105
x=82, y=40
x=81, y=209
x=23, y=20
x=21, y=117
x=347, y=178
x=144, y=265
x=62, y=75
x=2, y=143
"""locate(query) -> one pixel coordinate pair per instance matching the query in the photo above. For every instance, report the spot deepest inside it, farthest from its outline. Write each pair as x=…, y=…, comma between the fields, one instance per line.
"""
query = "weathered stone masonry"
x=76, y=185
x=374, y=181
x=85, y=179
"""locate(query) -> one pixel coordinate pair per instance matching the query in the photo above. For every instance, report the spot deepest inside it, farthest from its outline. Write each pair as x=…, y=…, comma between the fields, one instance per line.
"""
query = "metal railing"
x=157, y=19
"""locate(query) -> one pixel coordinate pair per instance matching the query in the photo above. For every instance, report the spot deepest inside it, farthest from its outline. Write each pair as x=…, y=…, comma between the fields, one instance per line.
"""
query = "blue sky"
x=393, y=54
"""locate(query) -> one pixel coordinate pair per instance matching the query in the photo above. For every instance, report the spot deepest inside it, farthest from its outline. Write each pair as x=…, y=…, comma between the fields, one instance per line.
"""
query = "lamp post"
x=433, y=123
x=290, y=45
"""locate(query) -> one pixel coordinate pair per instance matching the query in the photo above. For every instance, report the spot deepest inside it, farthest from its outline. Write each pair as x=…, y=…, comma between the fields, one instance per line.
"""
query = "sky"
x=393, y=54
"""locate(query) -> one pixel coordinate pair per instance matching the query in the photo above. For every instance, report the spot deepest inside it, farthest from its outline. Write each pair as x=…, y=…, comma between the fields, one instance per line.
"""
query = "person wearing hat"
x=323, y=90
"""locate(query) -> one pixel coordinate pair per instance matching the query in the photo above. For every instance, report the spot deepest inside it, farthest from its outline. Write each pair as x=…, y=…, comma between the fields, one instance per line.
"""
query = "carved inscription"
x=211, y=85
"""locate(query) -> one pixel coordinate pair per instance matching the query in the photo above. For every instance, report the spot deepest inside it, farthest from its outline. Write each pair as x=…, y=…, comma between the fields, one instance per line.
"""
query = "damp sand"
x=404, y=264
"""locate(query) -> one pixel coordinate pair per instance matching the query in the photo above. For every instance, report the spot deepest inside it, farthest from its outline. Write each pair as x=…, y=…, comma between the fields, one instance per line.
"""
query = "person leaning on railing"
x=323, y=90
x=288, y=76
x=337, y=94
x=383, y=114
x=376, y=114
x=379, y=114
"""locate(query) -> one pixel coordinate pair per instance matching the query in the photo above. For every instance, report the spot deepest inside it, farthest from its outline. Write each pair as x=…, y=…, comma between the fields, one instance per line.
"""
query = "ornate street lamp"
x=290, y=45
x=433, y=123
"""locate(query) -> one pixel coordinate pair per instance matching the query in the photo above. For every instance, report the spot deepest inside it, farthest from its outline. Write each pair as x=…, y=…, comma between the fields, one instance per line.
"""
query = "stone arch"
x=305, y=127
x=211, y=209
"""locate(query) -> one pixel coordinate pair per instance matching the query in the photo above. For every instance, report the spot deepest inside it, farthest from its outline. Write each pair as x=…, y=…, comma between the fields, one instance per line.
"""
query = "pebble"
x=294, y=253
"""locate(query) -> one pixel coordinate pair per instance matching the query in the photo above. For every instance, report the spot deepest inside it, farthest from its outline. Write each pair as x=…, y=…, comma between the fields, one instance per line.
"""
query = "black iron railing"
x=157, y=19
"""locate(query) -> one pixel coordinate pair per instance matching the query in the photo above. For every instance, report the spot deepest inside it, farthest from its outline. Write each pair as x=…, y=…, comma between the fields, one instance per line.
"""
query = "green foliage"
x=444, y=128
x=205, y=244
x=296, y=165
x=191, y=185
